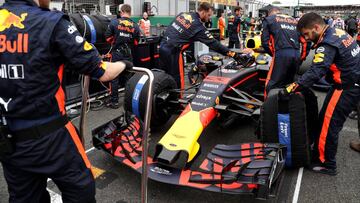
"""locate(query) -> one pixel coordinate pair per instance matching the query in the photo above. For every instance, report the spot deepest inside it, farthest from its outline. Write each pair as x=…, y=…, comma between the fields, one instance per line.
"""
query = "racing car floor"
x=118, y=183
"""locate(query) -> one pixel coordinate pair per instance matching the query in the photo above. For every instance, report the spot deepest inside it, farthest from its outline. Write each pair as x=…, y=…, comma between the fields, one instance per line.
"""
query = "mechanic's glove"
x=291, y=88
x=234, y=55
x=244, y=59
x=128, y=65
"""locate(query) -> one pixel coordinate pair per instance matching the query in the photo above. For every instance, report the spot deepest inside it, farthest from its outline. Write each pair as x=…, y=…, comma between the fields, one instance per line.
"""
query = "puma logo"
x=5, y=104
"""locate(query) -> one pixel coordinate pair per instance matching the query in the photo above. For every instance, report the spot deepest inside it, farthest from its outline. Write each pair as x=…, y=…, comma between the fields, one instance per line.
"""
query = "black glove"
x=243, y=59
x=128, y=65
x=290, y=88
x=234, y=55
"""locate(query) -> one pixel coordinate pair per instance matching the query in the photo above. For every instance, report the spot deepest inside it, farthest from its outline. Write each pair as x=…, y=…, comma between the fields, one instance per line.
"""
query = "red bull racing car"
x=231, y=88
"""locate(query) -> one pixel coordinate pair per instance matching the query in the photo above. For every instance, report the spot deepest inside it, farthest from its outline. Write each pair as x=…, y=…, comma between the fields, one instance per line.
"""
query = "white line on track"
x=298, y=184
x=55, y=197
x=89, y=150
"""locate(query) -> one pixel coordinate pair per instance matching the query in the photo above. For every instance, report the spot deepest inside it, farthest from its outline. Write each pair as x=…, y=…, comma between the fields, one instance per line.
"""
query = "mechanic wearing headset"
x=123, y=34
x=281, y=40
x=338, y=58
x=37, y=141
x=184, y=30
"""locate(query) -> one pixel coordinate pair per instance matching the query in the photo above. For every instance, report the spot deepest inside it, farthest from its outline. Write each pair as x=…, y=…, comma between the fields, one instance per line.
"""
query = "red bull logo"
x=185, y=20
x=339, y=33
x=20, y=45
x=126, y=23
x=8, y=19
x=187, y=17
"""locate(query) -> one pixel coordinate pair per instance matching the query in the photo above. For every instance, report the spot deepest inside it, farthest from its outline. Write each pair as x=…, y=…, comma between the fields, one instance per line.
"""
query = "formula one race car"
x=232, y=88
x=226, y=90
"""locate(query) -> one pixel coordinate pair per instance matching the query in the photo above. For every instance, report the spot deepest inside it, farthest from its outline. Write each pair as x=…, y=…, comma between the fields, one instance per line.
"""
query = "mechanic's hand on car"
x=235, y=56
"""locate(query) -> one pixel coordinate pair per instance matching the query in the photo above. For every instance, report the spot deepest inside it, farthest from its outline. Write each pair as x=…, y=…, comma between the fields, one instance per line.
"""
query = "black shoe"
x=113, y=105
x=320, y=168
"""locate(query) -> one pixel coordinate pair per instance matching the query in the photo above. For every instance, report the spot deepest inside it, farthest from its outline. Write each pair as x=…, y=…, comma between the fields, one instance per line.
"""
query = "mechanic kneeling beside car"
x=337, y=56
x=37, y=141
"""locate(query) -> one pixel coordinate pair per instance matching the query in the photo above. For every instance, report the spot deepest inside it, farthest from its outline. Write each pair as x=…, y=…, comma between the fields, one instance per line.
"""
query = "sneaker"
x=113, y=105
x=320, y=168
x=355, y=145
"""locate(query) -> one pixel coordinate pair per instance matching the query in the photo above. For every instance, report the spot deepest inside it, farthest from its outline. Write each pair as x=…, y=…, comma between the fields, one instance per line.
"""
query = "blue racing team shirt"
x=35, y=46
x=337, y=57
x=122, y=31
x=234, y=27
x=279, y=32
x=72, y=49
x=187, y=28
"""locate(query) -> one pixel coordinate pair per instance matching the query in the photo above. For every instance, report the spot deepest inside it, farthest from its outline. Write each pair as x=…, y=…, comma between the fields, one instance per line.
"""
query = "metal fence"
x=87, y=6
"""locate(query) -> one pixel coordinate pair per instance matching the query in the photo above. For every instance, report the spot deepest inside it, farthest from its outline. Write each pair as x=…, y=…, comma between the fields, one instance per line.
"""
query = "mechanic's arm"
x=322, y=61
x=82, y=56
x=110, y=32
x=113, y=69
x=206, y=37
x=265, y=38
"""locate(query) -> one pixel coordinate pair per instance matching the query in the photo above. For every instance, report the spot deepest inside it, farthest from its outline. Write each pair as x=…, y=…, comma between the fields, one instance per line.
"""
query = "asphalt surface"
x=118, y=183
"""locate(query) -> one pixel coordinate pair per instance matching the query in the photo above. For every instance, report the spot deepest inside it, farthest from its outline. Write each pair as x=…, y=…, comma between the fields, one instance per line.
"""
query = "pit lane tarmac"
x=118, y=183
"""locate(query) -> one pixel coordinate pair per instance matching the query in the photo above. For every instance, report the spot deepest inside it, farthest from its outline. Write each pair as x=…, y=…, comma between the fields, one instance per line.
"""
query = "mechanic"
x=123, y=34
x=281, y=40
x=37, y=141
x=234, y=27
x=184, y=30
x=222, y=25
x=337, y=56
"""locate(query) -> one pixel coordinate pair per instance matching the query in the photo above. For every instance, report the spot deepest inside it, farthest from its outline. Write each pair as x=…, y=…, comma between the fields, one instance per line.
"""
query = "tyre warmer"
x=247, y=168
x=291, y=121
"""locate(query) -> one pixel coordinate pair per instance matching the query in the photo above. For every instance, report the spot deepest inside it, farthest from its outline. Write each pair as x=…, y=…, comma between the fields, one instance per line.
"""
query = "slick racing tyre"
x=136, y=91
x=93, y=28
x=292, y=121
